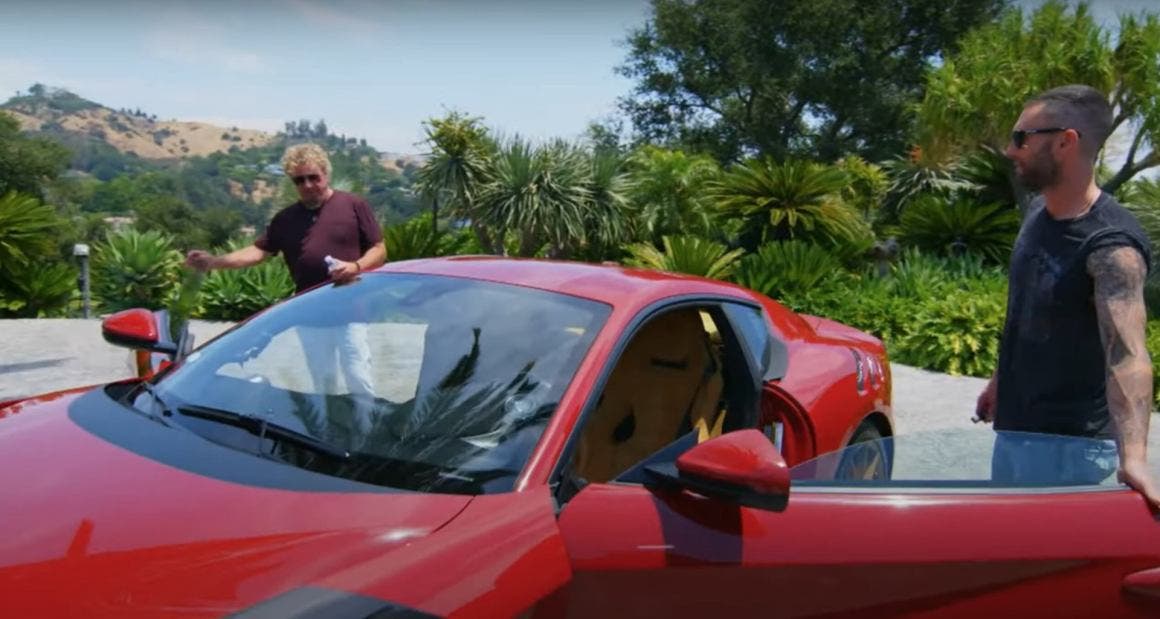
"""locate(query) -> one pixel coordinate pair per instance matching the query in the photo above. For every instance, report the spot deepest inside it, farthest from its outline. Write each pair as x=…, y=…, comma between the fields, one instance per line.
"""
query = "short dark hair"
x=1082, y=108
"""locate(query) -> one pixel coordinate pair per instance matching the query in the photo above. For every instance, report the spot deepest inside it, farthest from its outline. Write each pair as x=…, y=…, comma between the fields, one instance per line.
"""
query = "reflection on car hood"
x=111, y=525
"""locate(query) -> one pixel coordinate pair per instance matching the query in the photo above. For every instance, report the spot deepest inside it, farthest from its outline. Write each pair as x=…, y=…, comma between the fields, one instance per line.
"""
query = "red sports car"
x=485, y=437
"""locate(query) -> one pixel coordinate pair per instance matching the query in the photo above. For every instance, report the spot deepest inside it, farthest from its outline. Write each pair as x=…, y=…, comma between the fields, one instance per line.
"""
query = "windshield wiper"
x=166, y=409
x=261, y=428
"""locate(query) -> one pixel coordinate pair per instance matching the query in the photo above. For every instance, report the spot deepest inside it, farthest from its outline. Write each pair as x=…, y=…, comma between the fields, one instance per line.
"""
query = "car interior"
x=680, y=380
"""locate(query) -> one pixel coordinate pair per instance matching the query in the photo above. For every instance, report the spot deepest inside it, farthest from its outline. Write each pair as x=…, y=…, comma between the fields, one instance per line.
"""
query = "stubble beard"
x=1041, y=172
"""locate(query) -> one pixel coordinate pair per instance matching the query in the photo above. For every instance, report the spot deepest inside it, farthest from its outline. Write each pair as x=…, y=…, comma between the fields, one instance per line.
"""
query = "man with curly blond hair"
x=323, y=222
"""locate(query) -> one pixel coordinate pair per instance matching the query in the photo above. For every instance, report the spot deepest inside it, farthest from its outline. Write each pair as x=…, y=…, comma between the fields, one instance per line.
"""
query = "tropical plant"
x=866, y=185
x=686, y=254
x=791, y=200
x=238, y=294
x=540, y=194
x=456, y=168
x=27, y=230
x=990, y=176
x=414, y=238
x=917, y=175
x=134, y=269
x=669, y=192
x=784, y=269
x=1153, y=345
x=37, y=290
x=971, y=98
x=962, y=226
x=605, y=217
x=957, y=333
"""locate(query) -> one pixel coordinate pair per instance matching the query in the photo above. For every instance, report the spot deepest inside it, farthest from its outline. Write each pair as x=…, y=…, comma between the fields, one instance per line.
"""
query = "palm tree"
x=791, y=200
x=542, y=195
x=456, y=169
x=605, y=218
x=669, y=192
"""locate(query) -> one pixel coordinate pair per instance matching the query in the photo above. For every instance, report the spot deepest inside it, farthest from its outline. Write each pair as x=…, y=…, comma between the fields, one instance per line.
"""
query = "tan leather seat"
x=667, y=377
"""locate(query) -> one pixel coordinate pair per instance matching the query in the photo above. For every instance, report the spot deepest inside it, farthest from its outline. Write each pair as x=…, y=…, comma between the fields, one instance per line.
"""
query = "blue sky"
x=373, y=69
x=542, y=68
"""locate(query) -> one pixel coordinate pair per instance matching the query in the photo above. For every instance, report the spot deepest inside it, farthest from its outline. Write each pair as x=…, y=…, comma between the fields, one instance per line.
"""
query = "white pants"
x=344, y=348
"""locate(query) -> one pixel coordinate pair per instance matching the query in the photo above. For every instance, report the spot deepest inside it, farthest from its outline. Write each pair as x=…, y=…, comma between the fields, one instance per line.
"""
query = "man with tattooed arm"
x=1072, y=358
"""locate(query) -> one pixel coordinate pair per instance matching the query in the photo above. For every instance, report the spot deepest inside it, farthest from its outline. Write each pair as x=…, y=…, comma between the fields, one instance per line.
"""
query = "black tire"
x=867, y=457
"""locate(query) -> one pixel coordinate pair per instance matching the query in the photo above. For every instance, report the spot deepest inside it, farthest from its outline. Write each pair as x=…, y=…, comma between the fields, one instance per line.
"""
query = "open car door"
x=940, y=538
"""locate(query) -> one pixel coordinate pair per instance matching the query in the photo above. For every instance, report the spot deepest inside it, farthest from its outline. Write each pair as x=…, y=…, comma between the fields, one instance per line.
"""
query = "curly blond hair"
x=305, y=154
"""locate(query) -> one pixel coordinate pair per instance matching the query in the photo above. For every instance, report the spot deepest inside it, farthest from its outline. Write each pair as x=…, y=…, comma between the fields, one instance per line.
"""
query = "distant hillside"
x=132, y=133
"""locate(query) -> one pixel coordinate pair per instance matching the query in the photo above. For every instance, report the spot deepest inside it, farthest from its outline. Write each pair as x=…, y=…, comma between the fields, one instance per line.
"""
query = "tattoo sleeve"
x=1118, y=277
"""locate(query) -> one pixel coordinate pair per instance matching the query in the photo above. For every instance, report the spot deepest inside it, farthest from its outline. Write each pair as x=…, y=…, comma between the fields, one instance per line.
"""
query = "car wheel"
x=868, y=457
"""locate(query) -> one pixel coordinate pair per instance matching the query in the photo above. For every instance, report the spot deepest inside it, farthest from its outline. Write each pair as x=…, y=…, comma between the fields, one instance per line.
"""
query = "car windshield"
x=434, y=384
x=966, y=458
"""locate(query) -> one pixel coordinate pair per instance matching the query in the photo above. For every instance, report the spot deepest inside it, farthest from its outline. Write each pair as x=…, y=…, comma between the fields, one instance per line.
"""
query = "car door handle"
x=1144, y=582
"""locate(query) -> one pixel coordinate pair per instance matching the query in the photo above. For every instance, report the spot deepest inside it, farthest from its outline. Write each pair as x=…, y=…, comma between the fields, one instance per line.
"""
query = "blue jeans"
x=1050, y=459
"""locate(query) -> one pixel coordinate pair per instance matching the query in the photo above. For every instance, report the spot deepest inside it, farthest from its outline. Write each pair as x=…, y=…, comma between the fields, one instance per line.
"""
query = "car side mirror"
x=741, y=467
x=137, y=329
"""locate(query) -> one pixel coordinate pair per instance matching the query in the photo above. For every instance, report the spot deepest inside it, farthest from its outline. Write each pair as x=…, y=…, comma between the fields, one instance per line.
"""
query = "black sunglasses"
x=314, y=178
x=1019, y=136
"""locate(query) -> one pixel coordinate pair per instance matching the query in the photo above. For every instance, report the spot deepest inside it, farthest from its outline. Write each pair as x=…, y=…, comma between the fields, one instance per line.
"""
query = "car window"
x=433, y=383
x=967, y=459
x=767, y=352
x=680, y=379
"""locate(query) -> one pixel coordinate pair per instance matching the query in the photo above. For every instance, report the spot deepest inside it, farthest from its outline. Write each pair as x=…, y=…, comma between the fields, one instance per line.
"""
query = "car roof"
x=608, y=283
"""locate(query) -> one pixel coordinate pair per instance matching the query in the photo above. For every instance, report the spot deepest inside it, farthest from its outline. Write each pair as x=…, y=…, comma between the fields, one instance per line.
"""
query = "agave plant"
x=784, y=268
x=686, y=254
x=134, y=269
x=962, y=226
x=790, y=200
x=237, y=294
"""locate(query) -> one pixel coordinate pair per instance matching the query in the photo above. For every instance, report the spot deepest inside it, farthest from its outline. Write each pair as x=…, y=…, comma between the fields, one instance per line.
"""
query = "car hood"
x=123, y=516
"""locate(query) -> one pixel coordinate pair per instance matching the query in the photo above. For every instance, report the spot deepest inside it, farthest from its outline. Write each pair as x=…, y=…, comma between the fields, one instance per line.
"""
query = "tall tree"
x=821, y=78
x=973, y=99
x=456, y=168
x=27, y=162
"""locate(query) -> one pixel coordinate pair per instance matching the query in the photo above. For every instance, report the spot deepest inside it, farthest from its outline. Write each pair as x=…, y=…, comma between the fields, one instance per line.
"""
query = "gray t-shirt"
x=1052, y=371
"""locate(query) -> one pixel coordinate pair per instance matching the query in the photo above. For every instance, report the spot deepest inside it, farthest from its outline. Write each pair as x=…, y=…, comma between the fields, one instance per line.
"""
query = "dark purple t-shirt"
x=343, y=227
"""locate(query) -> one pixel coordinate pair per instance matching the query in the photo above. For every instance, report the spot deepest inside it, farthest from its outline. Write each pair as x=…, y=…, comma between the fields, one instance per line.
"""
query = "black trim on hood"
x=111, y=421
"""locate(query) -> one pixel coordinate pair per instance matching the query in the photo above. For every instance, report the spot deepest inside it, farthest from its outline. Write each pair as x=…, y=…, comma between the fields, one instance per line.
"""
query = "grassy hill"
x=123, y=159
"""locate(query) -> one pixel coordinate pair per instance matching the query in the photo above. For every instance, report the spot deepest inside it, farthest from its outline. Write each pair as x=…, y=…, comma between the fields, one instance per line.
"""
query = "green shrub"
x=1154, y=352
x=957, y=333
x=686, y=254
x=38, y=290
x=789, y=269
x=944, y=227
x=237, y=294
x=413, y=239
x=134, y=269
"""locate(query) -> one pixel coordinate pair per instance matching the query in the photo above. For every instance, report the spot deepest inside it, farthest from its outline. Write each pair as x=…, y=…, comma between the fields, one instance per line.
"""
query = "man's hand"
x=344, y=272
x=200, y=260
x=985, y=405
x=1135, y=473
